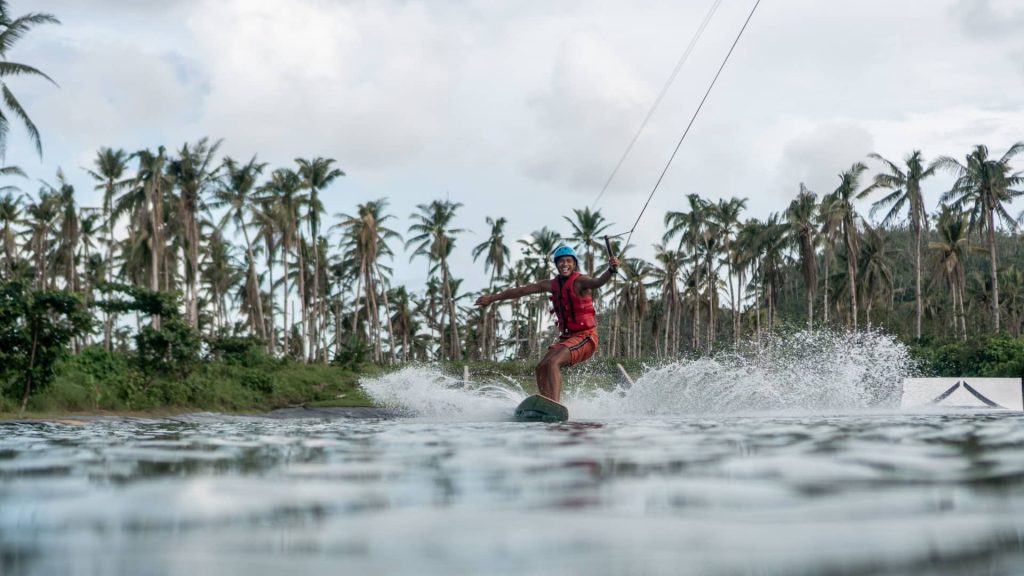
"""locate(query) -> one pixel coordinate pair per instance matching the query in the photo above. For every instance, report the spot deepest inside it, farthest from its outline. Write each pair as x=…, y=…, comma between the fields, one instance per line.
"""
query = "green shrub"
x=258, y=382
x=989, y=356
x=238, y=350
x=353, y=353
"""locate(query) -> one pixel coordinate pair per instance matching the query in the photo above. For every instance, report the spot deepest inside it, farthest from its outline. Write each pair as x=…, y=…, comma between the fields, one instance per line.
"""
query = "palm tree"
x=152, y=184
x=282, y=200
x=666, y=274
x=219, y=272
x=906, y=194
x=498, y=256
x=707, y=251
x=68, y=230
x=771, y=245
x=745, y=256
x=316, y=175
x=632, y=301
x=690, y=228
x=402, y=320
x=10, y=216
x=876, y=268
x=1011, y=281
x=434, y=239
x=982, y=186
x=830, y=226
x=803, y=233
x=193, y=172
x=13, y=29
x=586, y=229
x=365, y=241
x=268, y=219
x=726, y=216
x=235, y=191
x=950, y=254
x=111, y=166
x=41, y=220
x=841, y=208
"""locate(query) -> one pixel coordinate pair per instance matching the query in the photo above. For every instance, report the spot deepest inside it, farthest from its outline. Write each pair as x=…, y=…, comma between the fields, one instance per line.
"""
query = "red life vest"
x=575, y=313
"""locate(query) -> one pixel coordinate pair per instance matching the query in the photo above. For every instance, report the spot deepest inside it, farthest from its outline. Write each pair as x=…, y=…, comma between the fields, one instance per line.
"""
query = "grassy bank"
x=97, y=382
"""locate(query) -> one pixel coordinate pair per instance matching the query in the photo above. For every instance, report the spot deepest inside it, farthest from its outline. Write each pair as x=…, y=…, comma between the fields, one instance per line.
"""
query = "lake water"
x=741, y=465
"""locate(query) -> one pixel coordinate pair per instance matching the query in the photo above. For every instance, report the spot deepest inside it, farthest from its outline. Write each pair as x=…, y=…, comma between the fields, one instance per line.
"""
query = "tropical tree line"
x=252, y=253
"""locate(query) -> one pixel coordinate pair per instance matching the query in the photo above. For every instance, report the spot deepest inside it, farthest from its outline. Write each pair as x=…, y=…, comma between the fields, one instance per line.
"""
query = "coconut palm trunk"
x=993, y=258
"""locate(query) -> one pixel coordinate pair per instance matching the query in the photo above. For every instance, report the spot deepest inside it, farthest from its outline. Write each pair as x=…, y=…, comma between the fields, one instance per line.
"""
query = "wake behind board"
x=537, y=408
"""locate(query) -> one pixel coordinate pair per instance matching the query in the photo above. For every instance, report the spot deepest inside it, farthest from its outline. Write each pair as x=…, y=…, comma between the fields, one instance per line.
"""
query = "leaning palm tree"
x=842, y=209
x=13, y=29
x=905, y=185
x=434, y=239
x=983, y=185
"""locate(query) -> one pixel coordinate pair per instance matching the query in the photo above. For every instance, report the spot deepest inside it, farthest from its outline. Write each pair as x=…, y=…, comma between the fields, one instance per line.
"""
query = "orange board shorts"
x=581, y=345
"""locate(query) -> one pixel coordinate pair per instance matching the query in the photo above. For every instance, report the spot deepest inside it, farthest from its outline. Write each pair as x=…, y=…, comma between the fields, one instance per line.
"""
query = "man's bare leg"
x=549, y=372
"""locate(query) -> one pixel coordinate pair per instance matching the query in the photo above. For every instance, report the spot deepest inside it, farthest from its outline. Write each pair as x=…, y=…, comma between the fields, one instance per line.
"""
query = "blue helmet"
x=565, y=251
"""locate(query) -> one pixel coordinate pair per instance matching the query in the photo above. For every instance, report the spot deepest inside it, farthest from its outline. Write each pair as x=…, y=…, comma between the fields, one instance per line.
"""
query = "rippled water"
x=455, y=488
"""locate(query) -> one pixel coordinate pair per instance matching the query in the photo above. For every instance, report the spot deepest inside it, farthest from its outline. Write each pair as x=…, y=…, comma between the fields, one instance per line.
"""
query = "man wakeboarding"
x=572, y=298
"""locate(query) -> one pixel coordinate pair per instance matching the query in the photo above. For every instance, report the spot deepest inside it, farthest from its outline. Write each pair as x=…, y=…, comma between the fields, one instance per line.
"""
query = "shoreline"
x=292, y=413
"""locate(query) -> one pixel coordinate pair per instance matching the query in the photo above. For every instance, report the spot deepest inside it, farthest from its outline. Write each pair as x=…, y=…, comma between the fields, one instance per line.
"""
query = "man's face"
x=566, y=265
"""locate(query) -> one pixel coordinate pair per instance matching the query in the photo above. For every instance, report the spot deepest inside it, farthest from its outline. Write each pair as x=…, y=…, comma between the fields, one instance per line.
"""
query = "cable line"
x=661, y=95
x=690, y=125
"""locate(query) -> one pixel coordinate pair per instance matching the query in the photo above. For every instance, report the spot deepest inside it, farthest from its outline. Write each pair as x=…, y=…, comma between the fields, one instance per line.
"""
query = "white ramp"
x=998, y=393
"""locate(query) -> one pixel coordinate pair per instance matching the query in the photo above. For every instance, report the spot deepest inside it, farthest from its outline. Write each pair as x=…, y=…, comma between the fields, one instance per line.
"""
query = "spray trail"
x=804, y=371
x=426, y=391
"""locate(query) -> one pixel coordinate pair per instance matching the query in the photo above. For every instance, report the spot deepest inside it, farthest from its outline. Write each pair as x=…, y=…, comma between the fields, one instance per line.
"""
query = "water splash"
x=426, y=391
x=804, y=371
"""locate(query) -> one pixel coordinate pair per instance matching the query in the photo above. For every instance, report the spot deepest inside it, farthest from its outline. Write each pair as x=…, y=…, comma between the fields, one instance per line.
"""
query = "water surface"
x=735, y=478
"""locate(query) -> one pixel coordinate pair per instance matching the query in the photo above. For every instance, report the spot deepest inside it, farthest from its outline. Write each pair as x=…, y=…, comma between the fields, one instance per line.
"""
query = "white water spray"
x=805, y=371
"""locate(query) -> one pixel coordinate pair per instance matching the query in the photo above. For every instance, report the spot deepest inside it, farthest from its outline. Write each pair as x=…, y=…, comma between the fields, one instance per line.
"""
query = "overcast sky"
x=522, y=108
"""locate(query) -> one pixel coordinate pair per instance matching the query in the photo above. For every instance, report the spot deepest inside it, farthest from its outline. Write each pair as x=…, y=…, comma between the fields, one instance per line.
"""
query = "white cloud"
x=585, y=115
x=366, y=82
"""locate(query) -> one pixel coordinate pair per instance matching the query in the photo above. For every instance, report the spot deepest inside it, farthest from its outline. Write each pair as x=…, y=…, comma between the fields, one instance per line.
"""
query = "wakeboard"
x=537, y=408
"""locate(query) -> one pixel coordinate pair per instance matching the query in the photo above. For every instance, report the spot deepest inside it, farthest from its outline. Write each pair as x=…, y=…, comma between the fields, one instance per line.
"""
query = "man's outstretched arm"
x=513, y=293
x=588, y=282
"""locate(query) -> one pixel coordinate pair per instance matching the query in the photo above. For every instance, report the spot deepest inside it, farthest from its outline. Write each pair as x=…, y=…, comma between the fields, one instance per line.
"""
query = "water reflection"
x=897, y=493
